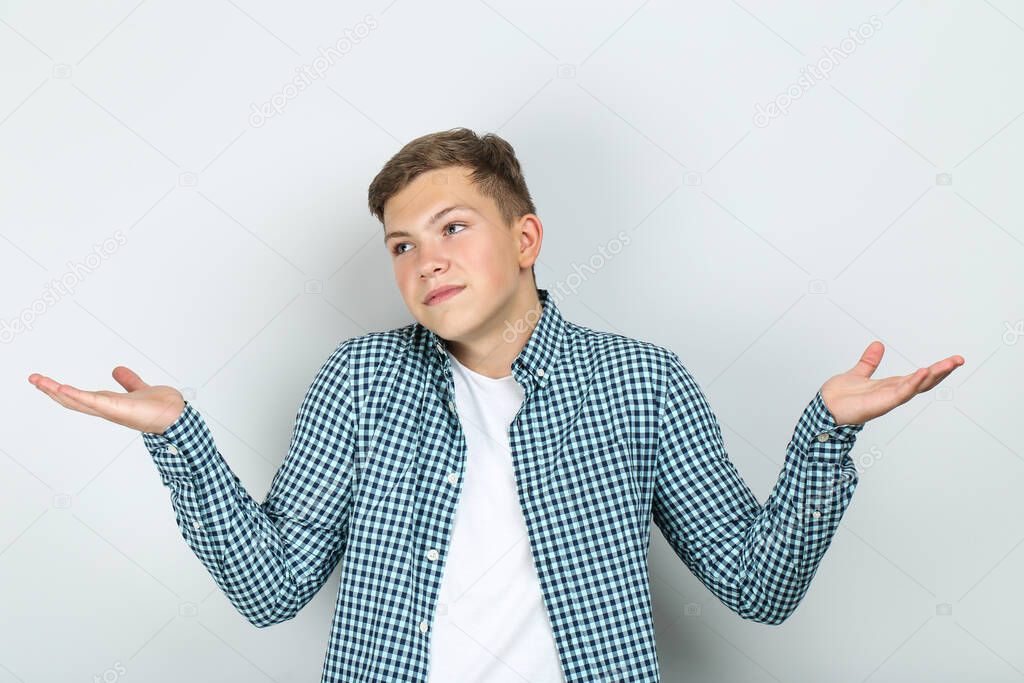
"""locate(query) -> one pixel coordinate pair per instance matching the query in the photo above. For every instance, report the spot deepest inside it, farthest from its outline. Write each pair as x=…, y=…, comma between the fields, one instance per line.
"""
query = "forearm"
x=757, y=559
x=795, y=527
x=245, y=550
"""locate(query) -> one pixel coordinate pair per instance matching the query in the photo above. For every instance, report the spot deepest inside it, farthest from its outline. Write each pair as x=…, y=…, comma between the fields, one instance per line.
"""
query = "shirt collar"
x=536, y=361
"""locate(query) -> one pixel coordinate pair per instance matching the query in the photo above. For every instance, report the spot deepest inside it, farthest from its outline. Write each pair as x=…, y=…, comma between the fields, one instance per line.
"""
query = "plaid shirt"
x=613, y=433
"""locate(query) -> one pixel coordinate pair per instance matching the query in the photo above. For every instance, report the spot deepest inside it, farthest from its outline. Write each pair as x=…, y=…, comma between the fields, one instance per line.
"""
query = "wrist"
x=171, y=415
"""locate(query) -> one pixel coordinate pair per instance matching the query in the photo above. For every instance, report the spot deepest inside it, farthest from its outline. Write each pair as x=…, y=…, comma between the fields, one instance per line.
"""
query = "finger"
x=945, y=364
x=932, y=381
x=910, y=385
x=44, y=382
x=128, y=379
x=93, y=400
x=50, y=389
x=869, y=360
x=940, y=371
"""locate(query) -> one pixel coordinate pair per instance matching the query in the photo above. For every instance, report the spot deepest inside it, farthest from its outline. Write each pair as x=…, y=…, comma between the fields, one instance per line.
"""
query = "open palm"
x=141, y=407
x=853, y=398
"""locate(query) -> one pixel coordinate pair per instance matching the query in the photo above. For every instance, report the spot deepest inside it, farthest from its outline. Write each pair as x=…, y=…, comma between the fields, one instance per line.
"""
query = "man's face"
x=469, y=246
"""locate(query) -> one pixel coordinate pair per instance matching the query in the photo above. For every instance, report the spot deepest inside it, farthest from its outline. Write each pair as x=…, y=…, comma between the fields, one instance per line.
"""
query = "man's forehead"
x=420, y=202
x=439, y=178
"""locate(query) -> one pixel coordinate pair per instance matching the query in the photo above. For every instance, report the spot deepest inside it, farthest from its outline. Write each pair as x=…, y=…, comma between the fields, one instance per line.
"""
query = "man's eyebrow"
x=433, y=219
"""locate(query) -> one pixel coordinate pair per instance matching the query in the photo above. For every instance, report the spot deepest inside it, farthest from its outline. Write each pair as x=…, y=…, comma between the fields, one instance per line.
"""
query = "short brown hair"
x=496, y=171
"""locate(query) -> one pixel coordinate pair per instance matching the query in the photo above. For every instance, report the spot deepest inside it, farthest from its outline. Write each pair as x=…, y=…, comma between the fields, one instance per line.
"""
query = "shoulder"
x=617, y=352
x=636, y=366
x=371, y=349
x=355, y=361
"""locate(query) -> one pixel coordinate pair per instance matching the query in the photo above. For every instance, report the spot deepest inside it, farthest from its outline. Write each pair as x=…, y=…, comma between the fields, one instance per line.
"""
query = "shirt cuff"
x=824, y=429
x=185, y=448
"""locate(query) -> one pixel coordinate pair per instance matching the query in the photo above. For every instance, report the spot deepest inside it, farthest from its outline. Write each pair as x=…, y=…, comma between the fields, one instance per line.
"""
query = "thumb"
x=128, y=379
x=869, y=360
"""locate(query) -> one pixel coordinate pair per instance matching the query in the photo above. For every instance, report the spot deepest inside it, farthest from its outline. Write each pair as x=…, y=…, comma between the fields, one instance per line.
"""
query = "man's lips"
x=445, y=294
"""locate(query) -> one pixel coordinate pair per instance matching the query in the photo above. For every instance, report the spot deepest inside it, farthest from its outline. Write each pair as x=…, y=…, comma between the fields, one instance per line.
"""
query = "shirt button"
x=424, y=626
x=451, y=406
x=432, y=555
x=172, y=449
x=816, y=514
x=823, y=437
x=540, y=373
x=453, y=478
x=197, y=524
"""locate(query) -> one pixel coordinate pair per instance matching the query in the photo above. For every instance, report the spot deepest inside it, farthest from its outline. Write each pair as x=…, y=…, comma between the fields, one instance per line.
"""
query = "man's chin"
x=451, y=325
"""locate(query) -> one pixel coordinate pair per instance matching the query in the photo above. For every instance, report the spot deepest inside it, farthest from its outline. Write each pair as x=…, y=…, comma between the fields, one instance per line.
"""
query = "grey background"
x=884, y=205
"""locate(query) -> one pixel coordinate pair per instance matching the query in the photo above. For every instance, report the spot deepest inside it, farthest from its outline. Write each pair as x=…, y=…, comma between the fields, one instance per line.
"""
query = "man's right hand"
x=145, y=408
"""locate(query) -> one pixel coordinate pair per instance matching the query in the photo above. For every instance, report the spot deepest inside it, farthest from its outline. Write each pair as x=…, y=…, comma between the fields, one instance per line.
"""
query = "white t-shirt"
x=490, y=624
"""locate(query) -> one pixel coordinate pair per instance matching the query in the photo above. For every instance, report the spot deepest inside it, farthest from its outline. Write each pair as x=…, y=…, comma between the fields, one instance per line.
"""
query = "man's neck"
x=491, y=353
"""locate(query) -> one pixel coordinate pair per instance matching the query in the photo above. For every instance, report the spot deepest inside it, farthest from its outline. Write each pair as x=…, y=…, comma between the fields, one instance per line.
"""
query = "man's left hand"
x=854, y=398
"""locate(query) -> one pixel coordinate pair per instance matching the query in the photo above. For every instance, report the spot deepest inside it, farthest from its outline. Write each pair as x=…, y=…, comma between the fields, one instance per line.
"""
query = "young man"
x=487, y=475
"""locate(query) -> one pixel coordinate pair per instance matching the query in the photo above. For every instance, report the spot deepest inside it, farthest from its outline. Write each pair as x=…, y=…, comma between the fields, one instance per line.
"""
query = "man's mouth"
x=443, y=294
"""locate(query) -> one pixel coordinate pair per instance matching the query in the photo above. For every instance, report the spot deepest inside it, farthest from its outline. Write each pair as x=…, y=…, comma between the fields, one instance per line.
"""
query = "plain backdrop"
x=763, y=188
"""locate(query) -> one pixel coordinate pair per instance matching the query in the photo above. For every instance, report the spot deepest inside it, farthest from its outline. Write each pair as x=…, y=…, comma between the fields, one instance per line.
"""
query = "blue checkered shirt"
x=613, y=433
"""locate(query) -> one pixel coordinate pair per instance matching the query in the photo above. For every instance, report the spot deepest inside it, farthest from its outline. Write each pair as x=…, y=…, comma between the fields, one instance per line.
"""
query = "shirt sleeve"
x=757, y=559
x=268, y=558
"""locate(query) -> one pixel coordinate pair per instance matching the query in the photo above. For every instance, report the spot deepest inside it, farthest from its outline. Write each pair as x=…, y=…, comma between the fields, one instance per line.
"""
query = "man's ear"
x=530, y=235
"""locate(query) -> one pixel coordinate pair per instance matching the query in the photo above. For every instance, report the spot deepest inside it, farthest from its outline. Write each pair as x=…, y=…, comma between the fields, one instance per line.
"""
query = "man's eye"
x=397, y=249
